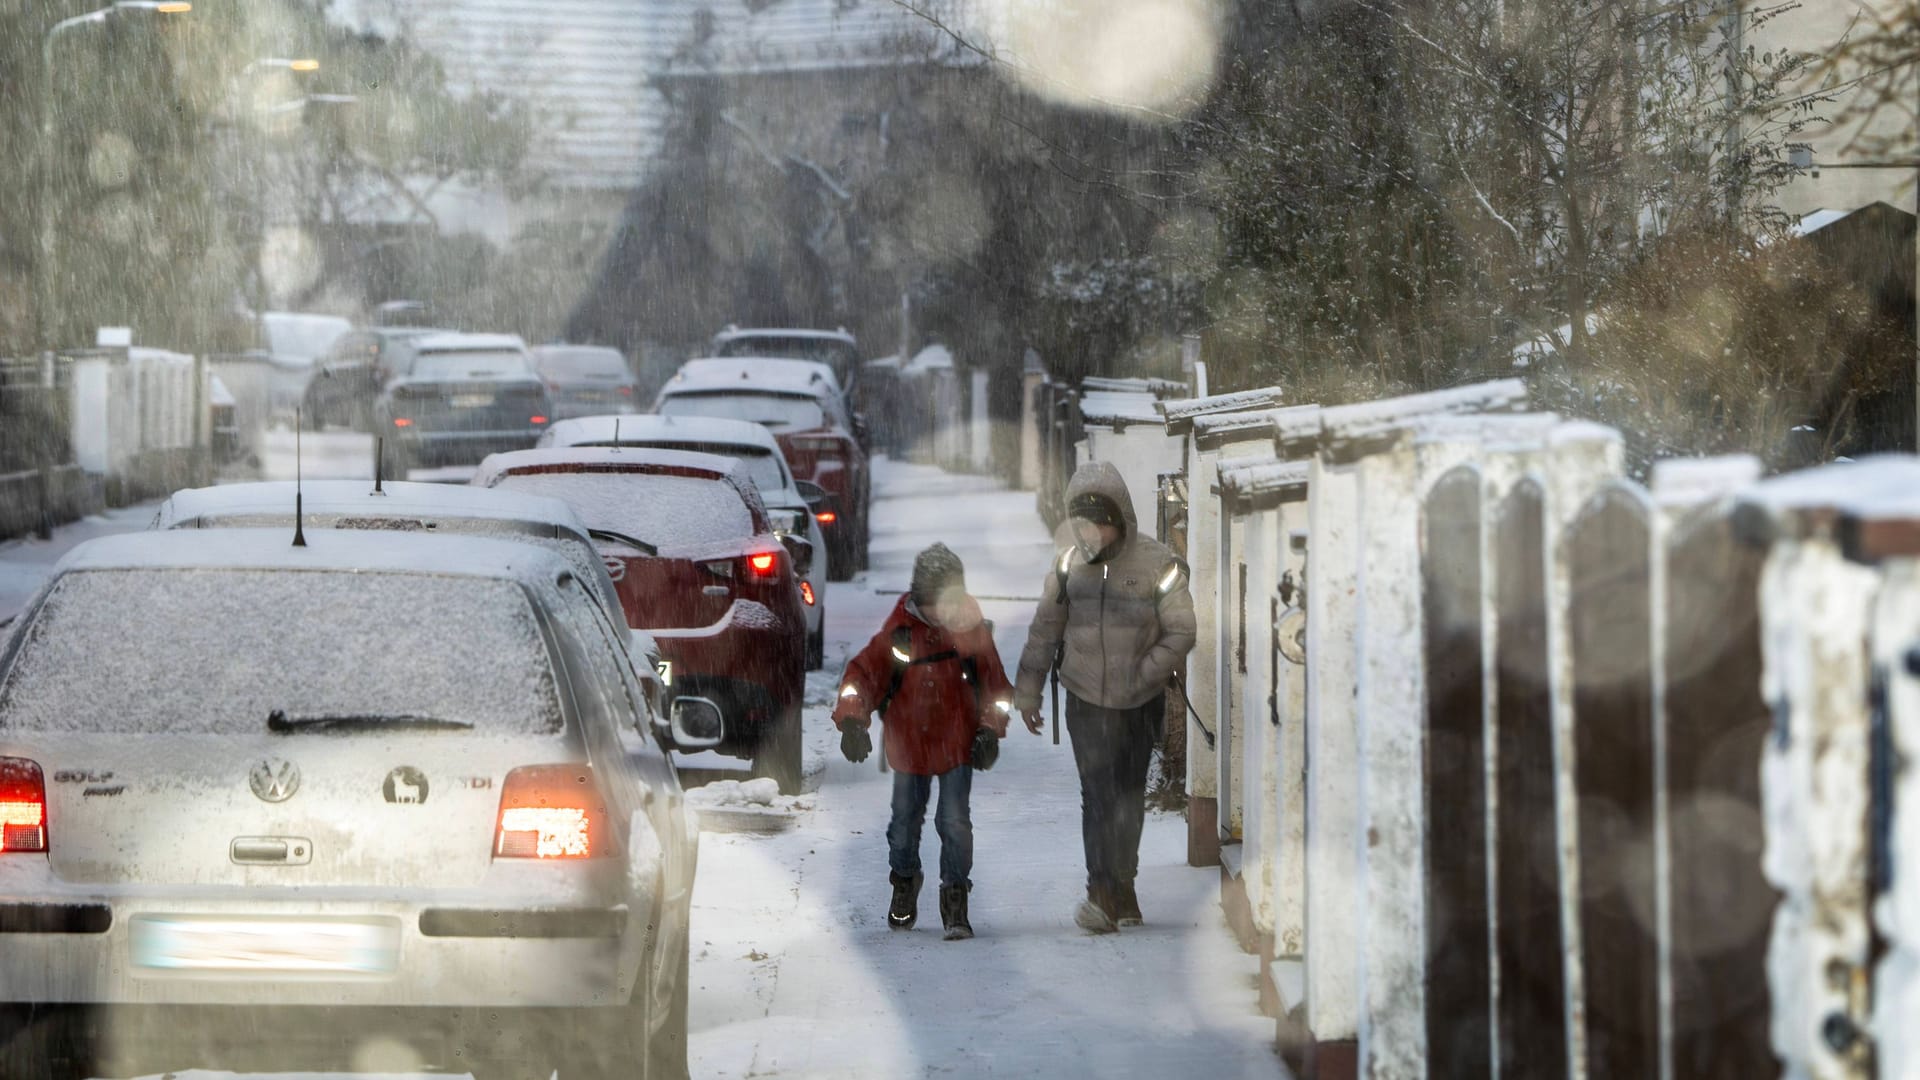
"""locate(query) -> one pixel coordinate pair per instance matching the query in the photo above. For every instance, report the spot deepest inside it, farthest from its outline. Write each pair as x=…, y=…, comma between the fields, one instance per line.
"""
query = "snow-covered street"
x=794, y=970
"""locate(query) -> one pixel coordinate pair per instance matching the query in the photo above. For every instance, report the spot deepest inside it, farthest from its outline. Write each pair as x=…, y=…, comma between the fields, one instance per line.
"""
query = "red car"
x=802, y=404
x=696, y=563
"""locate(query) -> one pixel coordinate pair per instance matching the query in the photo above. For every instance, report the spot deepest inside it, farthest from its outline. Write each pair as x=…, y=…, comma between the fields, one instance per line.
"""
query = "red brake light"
x=626, y=391
x=806, y=591
x=826, y=517
x=550, y=812
x=762, y=563
x=401, y=421
x=23, y=806
x=537, y=420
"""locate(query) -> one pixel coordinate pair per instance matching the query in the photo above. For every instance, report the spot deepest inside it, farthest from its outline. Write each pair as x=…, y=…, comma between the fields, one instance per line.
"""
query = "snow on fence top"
x=1159, y=388
x=1296, y=431
x=1180, y=413
x=1494, y=430
x=1678, y=482
x=1118, y=409
x=1872, y=506
x=1353, y=429
x=1211, y=432
x=1263, y=485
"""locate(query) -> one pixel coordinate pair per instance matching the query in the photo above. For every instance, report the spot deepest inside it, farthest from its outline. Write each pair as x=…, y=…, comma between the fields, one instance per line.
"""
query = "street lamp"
x=299, y=66
x=44, y=273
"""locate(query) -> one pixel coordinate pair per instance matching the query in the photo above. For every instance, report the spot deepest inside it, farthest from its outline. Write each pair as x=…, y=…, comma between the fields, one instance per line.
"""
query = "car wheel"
x=778, y=754
x=667, y=1052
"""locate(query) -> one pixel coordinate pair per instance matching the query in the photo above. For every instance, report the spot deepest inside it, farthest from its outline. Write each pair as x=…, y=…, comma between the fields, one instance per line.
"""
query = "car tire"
x=778, y=755
x=667, y=1053
x=817, y=649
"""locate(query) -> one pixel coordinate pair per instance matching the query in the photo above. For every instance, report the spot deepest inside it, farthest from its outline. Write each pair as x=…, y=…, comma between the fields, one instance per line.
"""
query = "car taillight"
x=765, y=564
x=536, y=420
x=23, y=806
x=826, y=517
x=550, y=812
x=806, y=591
x=626, y=391
x=401, y=421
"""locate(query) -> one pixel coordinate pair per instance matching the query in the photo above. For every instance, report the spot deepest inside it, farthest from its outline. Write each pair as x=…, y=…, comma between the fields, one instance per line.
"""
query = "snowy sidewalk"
x=795, y=973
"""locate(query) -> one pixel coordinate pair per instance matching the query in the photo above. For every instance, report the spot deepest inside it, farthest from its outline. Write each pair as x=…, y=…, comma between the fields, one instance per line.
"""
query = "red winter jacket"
x=931, y=719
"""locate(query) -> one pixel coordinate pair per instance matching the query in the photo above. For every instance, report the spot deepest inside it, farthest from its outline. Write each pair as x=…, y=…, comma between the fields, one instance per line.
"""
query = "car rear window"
x=578, y=363
x=469, y=365
x=200, y=651
x=772, y=410
x=673, y=513
x=761, y=465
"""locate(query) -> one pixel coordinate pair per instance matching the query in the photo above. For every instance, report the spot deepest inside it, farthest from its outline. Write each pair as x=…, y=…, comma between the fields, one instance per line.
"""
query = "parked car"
x=788, y=506
x=346, y=382
x=455, y=398
x=295, y=342
x=836, y=348
x=702, y=571
x=428, y=509
x=586, y=380
x=377, y=788
x=808, y=417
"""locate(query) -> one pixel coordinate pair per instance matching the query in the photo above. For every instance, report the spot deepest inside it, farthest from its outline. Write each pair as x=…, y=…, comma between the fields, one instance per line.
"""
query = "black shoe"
x=953, y=912
x=1126, y=906
x=905, y=909
x=1095, y=913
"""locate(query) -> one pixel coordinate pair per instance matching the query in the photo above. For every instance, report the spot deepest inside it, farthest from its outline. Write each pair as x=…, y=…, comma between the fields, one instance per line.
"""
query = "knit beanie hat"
x=934, y=571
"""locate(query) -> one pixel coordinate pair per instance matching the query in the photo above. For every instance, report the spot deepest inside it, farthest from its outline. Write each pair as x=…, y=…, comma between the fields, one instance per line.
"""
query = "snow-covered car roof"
x=642, y=460
x=735, y=333
x=463, y=342
x=331, y=503
x=334, y=496
x=326, y=549
x=747, y=381
x=746, y=368
x=656, y=430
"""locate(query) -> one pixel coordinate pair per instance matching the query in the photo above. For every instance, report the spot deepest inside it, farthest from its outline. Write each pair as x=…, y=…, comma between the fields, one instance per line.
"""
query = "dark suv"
x=455, y=398
x=347, y=379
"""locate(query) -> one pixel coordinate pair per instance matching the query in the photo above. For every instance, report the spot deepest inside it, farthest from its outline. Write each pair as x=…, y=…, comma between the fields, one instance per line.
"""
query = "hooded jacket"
x=932, y=717
x=1124, y=631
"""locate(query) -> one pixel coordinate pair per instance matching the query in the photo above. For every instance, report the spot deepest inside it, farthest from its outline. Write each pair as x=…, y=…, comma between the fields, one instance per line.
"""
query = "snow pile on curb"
x=746, y=806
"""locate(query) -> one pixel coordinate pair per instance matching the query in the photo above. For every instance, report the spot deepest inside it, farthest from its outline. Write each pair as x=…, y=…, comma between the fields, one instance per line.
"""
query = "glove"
x=986, y=749
x=855, y=743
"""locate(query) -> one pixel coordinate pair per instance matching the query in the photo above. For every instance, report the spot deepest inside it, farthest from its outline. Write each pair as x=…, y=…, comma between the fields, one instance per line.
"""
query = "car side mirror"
x=810, y=491
x=800, y=550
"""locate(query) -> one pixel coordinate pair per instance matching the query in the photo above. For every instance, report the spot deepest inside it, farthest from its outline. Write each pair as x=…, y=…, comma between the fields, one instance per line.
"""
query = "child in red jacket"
x=933, y=675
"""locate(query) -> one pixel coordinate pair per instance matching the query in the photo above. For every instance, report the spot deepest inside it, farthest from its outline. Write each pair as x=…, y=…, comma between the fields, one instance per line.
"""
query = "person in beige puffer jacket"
x=1126, y=619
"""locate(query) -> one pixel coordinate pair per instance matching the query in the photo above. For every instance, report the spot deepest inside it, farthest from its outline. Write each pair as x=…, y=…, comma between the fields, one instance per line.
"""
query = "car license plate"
x=470, y=401
x=319, y=946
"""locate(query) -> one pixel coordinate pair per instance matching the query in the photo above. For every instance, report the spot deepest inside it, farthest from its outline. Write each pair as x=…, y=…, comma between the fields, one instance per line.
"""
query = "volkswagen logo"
x=274, y=780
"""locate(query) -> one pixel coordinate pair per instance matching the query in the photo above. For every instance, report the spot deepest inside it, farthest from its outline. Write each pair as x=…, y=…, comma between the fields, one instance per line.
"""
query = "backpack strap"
x=903, y=658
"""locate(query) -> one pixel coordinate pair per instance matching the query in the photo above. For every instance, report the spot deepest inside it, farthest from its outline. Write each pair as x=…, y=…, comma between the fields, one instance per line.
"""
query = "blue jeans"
x=951, y=819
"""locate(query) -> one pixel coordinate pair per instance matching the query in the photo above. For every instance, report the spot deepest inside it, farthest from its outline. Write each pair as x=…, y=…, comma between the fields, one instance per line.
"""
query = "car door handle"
x=271, y=850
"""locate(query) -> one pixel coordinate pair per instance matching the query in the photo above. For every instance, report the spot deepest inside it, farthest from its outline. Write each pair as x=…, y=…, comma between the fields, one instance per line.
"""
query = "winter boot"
x=905, y=909
x=953, y=912
x=1095, y=913
x=1126, y=906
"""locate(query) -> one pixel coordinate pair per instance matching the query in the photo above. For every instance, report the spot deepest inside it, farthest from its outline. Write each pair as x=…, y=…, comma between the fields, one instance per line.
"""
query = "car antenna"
x=379, y=463
x=299, y=531
x=616, y=433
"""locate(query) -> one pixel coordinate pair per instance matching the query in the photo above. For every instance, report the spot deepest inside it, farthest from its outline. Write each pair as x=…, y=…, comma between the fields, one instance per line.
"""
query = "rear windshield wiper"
x=623, y=538
x=279, y=722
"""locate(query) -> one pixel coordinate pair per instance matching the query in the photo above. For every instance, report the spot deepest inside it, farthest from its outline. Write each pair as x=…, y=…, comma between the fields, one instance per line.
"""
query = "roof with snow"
x=785, y=36
x=350, y=496
x=659, y=430
x=1262, y=485
x=754, y=381
x=1214, y=430
x=326, y=549
x=738, y=368
x=604, y=459
x=462, y=342
x=747, y=333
